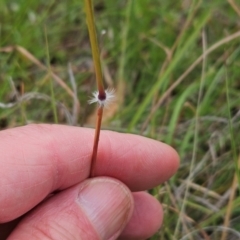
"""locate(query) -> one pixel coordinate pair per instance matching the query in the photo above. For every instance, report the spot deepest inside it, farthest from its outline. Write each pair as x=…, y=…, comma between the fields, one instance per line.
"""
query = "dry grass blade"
x=38, y=96
x=230, y=203
x=182, y=77
x=202, y=189
x=24, y=52
x=76, y=102
x=214, y=229
x=235, y=7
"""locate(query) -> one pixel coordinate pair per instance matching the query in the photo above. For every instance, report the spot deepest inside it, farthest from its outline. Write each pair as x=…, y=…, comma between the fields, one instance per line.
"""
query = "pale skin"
x=45, y=169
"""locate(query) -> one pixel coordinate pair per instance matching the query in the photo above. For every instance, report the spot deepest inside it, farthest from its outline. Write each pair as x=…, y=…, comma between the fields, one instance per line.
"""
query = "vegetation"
x=175, y=66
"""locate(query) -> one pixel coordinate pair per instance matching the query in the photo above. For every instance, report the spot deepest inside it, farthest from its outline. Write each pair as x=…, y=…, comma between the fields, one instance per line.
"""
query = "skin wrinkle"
x=24, y=165
x=44, y=228
x=21, y=197
x=138, y=214
x=22, y=133
x=68, y=209
x=130, y=148
x=137, y=164
x=23, y=156
x=41, y=182
x=109, y=144
x=83, y=164
x=124, y=153
x=80, y=167
x=140, y=219
x=45, y=129
x=142, y=163
x=7, y=162
x=70, y=142
x=8, y=185
x=112, y=151
x=77, y=172
x=21, y=182
x=80, y=159
x=63, y=232
x=28, y=162
x=43, y=234
x=150, y=154
x=56, y=162
x=41, y=226
x=146, y=159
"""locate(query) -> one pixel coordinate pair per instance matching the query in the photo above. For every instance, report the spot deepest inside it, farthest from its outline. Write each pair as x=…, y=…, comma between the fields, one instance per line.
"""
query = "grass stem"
x=99, y=79
x=94, y=46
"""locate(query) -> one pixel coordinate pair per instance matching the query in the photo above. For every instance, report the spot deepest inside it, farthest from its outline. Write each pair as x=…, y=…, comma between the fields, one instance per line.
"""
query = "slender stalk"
x=53, y=99
x=99, y=79
x=96, y=140
x=94, y=46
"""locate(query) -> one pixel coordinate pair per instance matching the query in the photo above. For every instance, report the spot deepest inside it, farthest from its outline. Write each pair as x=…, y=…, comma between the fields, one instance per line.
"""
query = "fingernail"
x=107, y=204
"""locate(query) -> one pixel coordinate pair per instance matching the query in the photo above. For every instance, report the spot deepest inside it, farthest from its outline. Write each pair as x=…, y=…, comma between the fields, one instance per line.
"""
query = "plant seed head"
x=103, y=101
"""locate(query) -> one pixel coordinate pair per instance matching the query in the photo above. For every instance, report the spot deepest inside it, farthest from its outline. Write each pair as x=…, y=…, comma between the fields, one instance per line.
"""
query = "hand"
x=45, y=169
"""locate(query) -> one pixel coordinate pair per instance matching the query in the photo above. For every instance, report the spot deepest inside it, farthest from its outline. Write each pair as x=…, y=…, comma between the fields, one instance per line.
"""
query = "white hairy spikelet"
x=103, y=103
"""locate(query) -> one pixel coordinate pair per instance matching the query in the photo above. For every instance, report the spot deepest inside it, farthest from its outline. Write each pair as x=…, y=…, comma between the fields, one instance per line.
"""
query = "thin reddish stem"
x=96, y=140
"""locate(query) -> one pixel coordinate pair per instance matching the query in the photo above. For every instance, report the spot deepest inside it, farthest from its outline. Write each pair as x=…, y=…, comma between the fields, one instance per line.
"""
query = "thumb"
x=97, y=208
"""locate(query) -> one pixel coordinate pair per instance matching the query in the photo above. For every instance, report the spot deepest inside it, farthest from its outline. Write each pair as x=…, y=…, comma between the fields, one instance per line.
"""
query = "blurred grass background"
x=175, y=66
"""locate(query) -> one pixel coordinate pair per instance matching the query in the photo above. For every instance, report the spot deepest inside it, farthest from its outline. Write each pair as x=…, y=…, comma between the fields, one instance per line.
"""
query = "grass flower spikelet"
x=103, y=102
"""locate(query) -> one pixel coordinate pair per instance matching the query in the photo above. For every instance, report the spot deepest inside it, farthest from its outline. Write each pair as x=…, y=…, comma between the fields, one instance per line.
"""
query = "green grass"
x=153, y=51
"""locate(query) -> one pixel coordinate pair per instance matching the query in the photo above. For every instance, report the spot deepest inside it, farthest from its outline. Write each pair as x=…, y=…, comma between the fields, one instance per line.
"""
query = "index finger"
x=38, y=159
